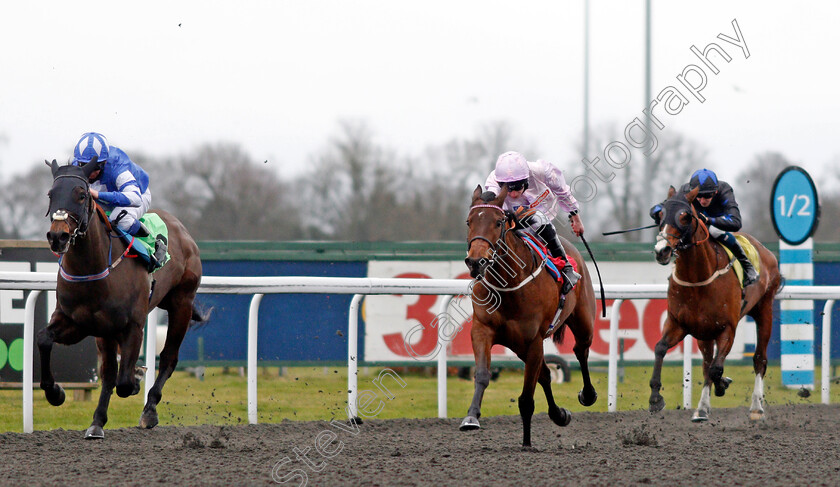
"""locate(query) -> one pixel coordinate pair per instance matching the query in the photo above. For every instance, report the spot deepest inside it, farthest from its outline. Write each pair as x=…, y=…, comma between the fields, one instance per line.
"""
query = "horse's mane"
x=489, y=196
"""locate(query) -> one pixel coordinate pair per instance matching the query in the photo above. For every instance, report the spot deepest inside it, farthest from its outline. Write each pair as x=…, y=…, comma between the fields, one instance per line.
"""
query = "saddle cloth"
x=752, y=254
x=144, y=247
x=552, y=264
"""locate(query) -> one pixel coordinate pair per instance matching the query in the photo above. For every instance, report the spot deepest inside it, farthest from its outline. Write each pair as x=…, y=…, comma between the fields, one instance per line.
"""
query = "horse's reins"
x=491, y=261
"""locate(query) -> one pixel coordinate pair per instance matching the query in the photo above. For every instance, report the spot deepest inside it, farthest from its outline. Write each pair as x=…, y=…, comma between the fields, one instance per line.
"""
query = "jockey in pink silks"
x=535, y=191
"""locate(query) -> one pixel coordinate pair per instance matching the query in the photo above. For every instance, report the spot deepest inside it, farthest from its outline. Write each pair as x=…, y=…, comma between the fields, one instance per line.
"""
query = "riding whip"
x=600, y=281
x=630, y=230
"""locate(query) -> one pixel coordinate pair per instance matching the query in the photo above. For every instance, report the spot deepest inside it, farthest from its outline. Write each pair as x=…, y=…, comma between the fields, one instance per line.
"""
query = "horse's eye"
x=499, y=223
x=468, y=222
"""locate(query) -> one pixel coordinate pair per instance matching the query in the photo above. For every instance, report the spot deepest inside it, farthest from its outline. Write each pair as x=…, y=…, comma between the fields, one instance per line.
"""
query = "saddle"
x=552, y=264
x=752, y=254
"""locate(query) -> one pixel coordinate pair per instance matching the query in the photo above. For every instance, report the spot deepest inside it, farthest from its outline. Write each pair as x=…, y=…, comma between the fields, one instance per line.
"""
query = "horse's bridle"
x=686, y=239
x=502, y=234
x=83, y=219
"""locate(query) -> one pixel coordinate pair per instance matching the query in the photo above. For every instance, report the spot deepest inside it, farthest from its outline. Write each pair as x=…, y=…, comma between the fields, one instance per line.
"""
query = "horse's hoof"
x=722, y=386
x=561, y=416
x=657, y=404
x=700, y=416
x=55, y=396
x=587, y=400
x=469, y=423
x=148, y=420
x=94, y=433
x=756, y=415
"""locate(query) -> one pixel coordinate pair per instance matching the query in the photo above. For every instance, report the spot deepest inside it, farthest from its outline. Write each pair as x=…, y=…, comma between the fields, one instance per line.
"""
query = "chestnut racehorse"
x=515, y=304
x=101, y=294
x=705, y=301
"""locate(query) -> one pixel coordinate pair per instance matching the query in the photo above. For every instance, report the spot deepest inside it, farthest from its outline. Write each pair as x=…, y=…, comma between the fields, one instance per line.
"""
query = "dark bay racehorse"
x=101, y=294
x=515, y=301
x=706, y=302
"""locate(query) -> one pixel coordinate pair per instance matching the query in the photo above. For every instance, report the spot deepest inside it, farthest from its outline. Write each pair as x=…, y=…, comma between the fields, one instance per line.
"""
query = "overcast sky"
x=276, y=76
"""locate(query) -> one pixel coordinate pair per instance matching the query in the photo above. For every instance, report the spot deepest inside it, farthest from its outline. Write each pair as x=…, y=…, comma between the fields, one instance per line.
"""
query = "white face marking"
x=661, y=242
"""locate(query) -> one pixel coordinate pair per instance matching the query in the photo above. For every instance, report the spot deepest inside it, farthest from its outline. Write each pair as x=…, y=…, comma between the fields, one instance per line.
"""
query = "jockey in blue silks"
x=119, y=185
x=716, y=206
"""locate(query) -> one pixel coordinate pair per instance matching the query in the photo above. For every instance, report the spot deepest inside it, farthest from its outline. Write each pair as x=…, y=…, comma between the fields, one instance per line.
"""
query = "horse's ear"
x=671, y=192
x=53, y=166
x=91, y=166
x=500, y=199
x=692, y=194
x=477, y=192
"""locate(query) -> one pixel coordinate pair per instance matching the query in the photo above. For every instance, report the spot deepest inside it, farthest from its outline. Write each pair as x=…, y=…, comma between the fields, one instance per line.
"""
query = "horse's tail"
x=782, y=282
x=558, y=335
x=200, y=315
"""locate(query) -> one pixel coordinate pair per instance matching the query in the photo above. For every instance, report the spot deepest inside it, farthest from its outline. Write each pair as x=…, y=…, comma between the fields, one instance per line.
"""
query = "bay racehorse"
x=705, y=301
x=102, y=294
x=516, y=304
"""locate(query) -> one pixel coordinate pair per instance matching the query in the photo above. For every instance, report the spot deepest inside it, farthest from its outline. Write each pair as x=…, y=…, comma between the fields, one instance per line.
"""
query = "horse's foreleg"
x=724, y=345
x=763, y=316
x=108, y=372
x=128, y=383
x=671, y=335
x=482, y=341
x=534, y=362
x=704, y=405
x=60, y=330
x=179, y=323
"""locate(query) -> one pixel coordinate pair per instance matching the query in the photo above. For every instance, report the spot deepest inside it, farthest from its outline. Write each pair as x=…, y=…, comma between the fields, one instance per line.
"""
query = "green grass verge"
x=321, y=394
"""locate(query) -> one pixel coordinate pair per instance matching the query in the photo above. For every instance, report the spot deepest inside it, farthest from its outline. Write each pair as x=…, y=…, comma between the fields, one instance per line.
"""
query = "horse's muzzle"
x=476, y=266
x=59, y=240
x=663, y=255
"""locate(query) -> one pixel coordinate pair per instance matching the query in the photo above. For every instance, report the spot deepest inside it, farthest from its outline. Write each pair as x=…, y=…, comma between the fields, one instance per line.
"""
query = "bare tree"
x=25, y=202
x=218, y=192
x=622, y=202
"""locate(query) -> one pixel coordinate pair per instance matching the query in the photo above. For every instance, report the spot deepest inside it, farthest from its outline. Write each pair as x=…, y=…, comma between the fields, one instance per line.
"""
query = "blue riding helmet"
x=706, y=179
x=91, y=144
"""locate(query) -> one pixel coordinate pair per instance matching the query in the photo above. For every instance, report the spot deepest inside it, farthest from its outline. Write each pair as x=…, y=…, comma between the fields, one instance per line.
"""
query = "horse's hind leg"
x=582, y=330
x=763, y=316
x=108, y=372
x=60, y=330
x=671, y=335
x=560, y=416
x=179, y=322
x=704, y=405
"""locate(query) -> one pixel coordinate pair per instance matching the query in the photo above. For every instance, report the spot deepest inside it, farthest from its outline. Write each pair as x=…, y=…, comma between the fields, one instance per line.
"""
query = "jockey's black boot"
x=160, y=251
x=750, y=274
x=555, y=247
x=142, y=231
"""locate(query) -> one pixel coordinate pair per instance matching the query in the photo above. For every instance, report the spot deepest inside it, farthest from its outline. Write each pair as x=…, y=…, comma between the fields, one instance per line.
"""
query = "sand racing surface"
x=795, y=445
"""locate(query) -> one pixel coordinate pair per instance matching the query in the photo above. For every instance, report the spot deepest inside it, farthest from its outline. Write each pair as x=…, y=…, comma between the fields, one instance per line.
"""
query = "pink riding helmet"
x=511, y=166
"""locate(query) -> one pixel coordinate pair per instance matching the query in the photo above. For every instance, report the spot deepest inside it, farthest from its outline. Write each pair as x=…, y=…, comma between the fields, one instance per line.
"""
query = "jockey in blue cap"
x=716, y=206
x=119, y=185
